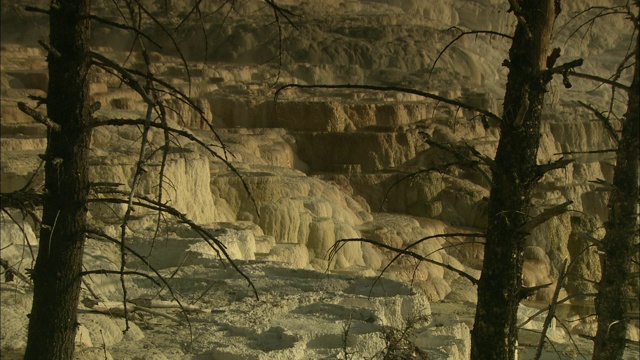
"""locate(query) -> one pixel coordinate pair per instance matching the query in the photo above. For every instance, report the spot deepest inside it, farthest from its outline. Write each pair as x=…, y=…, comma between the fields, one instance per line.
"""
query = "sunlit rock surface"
x=321, y=165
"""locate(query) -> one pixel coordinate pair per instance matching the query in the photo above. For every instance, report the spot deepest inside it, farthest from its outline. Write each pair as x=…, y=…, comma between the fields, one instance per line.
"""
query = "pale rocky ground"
x=318, y=163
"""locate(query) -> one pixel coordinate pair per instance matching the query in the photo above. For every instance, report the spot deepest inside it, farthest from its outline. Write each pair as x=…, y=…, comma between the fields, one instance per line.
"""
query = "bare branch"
x=35, y=9
x=515, y=8
x=591, y=240
x=35, y=219
x=124, y=225
x=565, y=67
x=206, y=235
x=338, y=245
x=462, y=158
x=484, y=158
x=21, y=199
x=170, y=36
x=182, y=97
x=118, y=272
x=546, y=215
x=111, y=307
x=126, y=75
x=13, y=271
x=37, y=116
x=438, y=168
x=562, y=301
x=568, y=332
x=558, y=164
x=603, y=151
x=605, y=121
x=102, y=234
x=396, y=89
x=602, y=12
x=552, y=310
x=187, y=135
x=50, y=49
x=604, y=185
x=525, y=291
x=124, y=27
x=613, y=83
x=464, y=33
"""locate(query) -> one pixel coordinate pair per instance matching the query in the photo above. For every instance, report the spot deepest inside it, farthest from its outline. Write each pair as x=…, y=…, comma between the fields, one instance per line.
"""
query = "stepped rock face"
x=321, y=165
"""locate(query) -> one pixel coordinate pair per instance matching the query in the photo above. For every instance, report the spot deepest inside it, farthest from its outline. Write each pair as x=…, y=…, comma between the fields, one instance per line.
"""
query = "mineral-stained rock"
x=321, y=165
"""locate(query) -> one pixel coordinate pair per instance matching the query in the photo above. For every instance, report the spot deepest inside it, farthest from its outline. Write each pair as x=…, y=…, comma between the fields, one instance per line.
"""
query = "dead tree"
x=514, y=175
x=58, y=271
x=53, y=319
x=620, y=244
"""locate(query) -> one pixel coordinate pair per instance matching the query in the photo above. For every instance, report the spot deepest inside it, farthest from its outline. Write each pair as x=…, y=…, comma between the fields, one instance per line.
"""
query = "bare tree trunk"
x=53, y=319
x=515, y=174
x=621, y=240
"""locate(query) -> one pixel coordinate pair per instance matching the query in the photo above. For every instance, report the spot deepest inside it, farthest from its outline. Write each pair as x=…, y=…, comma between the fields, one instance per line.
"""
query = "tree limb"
x=605, y=121
x=462, y=158
x=525, y=292
x=604, y=185
x=558, y=164
x=21, y=199
x=206, y=235
x=599, y=79
x=126, y=76
x=458, y=38
x=111, y=307
x=463, y=105
x=517, y=11
x=337, y=246
x=102, y=234
x=591, y=240
x=37, y=116
x=124, y=27
x=118, y=272
x=545, y=215
x=552, y=310
x=565, y=67
x=437, y=168
x=187, y=135
x=13, y=271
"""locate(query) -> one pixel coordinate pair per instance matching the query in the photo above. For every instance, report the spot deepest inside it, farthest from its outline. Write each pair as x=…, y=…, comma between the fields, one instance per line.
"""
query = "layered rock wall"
x=325, y=165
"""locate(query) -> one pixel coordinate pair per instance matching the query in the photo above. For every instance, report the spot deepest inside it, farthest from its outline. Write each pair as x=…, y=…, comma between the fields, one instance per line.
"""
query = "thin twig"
x=337, y=246
x=552, y=310
x=464, y=33
x=189, y=136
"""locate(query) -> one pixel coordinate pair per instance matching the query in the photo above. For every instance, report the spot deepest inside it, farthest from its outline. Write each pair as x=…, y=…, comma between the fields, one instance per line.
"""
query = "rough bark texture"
x=620, y=243
x=53, y=319
x=514, y=177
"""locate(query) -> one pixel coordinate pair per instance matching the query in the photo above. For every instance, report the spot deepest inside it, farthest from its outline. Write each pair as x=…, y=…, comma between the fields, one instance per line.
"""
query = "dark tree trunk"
x=514, y=176
x=53, y=319
x=620, y=242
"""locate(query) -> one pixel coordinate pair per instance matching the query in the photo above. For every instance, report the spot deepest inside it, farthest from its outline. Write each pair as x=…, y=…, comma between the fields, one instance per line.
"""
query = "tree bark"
x=615, y=291
x=53, y=318
x=515, y=175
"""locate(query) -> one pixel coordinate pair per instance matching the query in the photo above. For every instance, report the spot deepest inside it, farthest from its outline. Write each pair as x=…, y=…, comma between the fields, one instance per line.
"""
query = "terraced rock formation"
x=321, y=164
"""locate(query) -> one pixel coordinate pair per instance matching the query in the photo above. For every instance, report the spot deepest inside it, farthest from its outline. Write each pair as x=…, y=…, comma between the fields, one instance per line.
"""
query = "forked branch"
x=340, y=243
